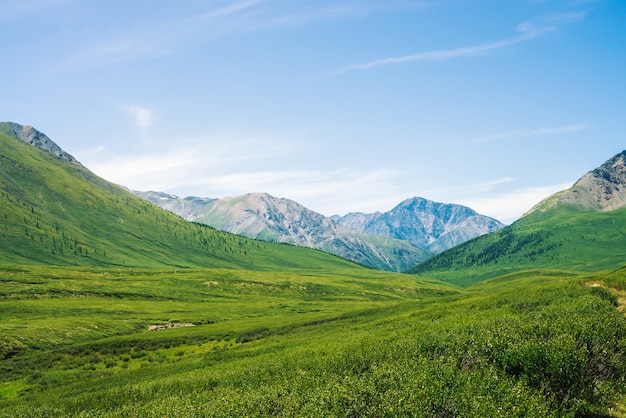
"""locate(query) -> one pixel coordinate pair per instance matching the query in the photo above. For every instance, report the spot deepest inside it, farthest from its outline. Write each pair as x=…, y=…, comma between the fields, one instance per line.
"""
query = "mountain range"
x=32, y=136
x=394, y=240
x=268, y=218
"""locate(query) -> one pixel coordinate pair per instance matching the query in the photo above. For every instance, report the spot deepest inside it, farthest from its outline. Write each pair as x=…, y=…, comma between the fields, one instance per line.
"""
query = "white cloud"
x=512, y=204
x=186, y=161
x=327, y=192
x=142, y=116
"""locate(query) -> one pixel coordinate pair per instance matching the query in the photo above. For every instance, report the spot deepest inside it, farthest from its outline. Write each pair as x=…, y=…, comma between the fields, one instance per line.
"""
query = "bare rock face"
x=35, y=138
x=603, y=189
x=424, y=223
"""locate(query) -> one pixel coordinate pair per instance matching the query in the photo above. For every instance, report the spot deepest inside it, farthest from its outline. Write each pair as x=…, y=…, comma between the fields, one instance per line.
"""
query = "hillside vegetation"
x=56, y=213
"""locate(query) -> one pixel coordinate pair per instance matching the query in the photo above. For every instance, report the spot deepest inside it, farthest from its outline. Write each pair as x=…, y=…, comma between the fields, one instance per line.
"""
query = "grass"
x=353, y=342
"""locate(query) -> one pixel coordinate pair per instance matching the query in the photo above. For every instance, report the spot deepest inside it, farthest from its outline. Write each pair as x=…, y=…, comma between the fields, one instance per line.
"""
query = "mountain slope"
x=53, y=211
x=603, y=189
x=579, y=229
x=264, y=217
x=424, y=223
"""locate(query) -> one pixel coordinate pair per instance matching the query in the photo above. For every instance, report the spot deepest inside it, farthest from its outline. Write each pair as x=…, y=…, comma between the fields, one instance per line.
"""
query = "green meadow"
x=352, y=342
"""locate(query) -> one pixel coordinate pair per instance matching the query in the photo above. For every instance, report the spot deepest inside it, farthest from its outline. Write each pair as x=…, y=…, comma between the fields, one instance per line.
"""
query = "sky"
x=341, y=105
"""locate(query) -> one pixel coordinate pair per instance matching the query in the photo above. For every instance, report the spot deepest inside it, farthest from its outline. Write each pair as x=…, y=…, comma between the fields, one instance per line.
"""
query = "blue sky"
x=340, y=105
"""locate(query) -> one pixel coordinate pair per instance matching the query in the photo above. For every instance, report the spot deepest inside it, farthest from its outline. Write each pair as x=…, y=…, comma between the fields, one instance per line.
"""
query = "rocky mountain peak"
x=32, y=136
x=424, y=223
x=602, y=189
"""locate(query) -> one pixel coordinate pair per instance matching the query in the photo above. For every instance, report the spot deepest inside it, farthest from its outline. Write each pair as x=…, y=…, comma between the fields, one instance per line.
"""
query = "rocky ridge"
x=33, y=137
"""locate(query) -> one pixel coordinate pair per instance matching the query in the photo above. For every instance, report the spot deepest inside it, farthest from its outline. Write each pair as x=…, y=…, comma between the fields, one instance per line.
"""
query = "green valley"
x=113, y=307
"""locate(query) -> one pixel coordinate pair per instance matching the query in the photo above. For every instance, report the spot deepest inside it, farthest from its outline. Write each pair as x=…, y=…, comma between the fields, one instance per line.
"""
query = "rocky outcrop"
x=424, y=223
x=603, y=189
x=35, y=138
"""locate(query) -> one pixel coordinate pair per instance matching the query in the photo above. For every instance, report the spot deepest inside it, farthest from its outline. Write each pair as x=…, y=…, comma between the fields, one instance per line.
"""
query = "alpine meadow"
x=114, y=307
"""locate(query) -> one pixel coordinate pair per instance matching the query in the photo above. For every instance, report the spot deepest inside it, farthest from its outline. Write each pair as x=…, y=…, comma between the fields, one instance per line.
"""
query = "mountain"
x=424, y=223
x=53, y=211
x=603, y=189
x=268, y=218
x=582, y=228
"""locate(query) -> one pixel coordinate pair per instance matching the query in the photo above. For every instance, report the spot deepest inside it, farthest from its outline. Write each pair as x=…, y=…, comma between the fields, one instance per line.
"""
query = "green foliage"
x=564, y=238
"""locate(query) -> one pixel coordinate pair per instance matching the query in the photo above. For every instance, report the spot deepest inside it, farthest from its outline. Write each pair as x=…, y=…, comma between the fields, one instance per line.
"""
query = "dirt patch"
x=161, y=327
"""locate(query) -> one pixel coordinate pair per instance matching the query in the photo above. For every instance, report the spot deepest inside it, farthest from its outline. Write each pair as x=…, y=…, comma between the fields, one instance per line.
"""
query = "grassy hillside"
x=276, y=344
x=563, y=238
x=56, y=213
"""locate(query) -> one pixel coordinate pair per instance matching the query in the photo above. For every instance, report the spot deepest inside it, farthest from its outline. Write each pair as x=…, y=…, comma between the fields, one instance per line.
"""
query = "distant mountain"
x=268, y=218
x=582, y=228
x=424, y=223
x=55, y=212
x=190, y=208
x=33, y=137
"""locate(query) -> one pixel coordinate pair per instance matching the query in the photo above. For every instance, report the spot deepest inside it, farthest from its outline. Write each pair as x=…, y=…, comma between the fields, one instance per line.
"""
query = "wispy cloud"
x=527, y=31
x=142, y=117
x=184, y=160
x=227, y=10
x=217, y=166
x=20, y=8
x=530, y=133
